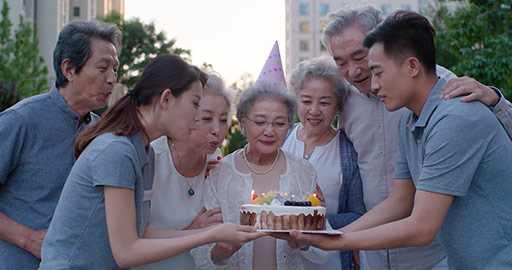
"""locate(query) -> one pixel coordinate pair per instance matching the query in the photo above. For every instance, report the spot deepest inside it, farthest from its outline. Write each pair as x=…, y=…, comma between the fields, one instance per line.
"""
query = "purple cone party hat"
x=272, y=71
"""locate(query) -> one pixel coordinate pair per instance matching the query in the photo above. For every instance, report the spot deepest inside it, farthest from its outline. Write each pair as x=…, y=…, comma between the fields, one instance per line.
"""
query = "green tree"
x=475, y=40
x=141, y=43
x=22, y=73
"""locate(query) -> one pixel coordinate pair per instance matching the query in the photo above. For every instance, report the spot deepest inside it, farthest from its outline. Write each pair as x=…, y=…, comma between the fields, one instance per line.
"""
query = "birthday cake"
x=280, y=211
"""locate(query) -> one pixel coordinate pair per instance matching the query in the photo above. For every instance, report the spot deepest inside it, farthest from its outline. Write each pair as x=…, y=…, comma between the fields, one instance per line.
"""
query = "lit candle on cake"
x=252, y=195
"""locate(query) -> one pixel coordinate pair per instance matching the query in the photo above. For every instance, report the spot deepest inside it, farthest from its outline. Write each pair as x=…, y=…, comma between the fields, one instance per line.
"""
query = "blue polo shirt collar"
x=428, y=108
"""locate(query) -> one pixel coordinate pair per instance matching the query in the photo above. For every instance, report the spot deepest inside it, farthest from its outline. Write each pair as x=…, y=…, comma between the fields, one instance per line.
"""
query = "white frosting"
x=280, y=210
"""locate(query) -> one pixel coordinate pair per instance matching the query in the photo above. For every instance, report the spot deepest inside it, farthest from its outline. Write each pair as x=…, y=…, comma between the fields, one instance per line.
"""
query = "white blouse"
x=229, y=188
x=326, y=160
x=171, y=206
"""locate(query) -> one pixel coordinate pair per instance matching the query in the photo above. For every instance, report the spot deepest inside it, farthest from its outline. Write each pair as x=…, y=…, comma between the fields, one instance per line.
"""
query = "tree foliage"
x=475, y=39
x=22, y=73
x=140, y=44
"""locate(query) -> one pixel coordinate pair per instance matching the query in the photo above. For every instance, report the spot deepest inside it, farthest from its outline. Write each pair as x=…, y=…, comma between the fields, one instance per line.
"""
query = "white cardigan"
x=228, y=188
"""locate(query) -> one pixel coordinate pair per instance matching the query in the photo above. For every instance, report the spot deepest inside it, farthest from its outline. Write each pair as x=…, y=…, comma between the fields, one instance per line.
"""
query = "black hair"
x=405, y=33
x=74, y=43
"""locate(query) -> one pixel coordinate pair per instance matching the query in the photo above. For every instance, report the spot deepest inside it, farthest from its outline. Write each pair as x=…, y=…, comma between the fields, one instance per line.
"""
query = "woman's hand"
x=211, y=164
x=206, y=218
x=222, y=251
x=235, y=234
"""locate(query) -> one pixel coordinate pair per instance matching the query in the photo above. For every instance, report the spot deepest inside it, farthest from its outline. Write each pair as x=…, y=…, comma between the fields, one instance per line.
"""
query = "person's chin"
x=391, y=107
x=364, y=86
x=267, y=148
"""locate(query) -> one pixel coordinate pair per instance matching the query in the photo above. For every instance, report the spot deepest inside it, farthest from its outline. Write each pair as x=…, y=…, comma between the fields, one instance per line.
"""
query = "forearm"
x=343, y=219
x=389, y=210
x=152, y=232
x=401, y=233
x=144, y=251
x=14, y=232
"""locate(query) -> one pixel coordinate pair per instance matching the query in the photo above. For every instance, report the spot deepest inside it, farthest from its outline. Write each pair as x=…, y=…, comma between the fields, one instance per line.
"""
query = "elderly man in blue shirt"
x=38, y=136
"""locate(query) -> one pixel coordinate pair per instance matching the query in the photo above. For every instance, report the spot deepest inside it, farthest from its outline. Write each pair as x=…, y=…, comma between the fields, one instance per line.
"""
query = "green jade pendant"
x=191, y=192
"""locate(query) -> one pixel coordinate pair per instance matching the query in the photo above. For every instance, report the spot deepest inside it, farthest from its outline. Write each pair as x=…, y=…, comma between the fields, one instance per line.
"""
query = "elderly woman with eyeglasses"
x=266, y=113
x=320, y=91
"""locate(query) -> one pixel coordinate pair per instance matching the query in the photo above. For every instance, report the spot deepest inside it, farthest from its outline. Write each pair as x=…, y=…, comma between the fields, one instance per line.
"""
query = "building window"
x=322, y=47
x=304, y=27
x=76, y=11
x=304, y=9
x=304, y=45
x=406, y=7
x=302, y=59
x=324, y=9
x=386, y=9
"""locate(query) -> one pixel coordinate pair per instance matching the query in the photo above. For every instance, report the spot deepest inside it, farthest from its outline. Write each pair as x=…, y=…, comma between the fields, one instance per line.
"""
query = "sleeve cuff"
x=500, y=97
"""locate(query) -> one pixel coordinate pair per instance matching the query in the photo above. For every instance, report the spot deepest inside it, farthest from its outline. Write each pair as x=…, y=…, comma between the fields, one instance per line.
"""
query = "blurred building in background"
x=305, y=20
x=50, y=16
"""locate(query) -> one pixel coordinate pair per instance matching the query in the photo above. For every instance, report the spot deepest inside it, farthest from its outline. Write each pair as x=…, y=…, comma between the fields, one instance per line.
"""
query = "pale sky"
x=235, y=36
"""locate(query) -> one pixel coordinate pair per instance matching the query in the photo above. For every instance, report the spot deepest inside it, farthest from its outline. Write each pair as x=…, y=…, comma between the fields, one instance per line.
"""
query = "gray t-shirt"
x=37, y=136
x=78, y=237
x=460, y=149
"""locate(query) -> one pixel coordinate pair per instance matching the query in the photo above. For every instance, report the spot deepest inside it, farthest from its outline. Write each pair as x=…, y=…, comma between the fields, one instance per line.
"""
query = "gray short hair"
x=215, y=84
x=319, y=68
x=365, y=16
x=74, y=43
x=261, y=90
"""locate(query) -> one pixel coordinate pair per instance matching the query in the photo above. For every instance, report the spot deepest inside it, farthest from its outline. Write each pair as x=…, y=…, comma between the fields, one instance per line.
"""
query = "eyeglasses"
x=278, y=124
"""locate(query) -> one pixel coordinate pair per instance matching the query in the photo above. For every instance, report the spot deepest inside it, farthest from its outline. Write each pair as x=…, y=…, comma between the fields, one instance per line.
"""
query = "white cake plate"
x=329, y=232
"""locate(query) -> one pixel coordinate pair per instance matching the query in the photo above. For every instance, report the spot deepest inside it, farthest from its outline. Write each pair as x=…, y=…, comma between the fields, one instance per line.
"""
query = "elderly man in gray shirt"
x=38, y=136
x=373, y=129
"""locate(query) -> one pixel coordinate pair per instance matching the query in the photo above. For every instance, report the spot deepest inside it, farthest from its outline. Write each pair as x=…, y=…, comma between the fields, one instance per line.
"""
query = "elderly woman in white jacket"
x=265, y=113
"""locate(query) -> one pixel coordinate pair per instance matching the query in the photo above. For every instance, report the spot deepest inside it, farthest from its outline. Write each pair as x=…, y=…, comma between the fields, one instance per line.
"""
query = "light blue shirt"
x=36, y=154
x=460, y=149
x=78, y=237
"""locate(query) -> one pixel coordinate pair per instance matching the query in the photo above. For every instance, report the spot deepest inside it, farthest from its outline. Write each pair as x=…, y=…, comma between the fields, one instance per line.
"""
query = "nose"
x=215, y=128
x=314, y=109
x=353, y=70
x=197, y=115
x=375, y=85
x=111, y=77
x=269, y=129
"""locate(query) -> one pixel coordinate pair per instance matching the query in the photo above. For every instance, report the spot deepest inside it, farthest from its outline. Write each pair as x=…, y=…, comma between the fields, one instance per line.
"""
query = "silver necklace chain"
x=260, y=172
x=191, y=190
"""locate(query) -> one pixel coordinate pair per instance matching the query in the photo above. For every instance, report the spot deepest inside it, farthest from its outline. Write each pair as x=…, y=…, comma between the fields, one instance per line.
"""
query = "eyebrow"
x=372, y=67
x=108, y=60
x=308, y=96
x=264, y=116
x=360, y=51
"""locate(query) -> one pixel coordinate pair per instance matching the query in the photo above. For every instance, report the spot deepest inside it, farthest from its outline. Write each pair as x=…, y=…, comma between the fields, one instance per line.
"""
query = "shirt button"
x=76, y=117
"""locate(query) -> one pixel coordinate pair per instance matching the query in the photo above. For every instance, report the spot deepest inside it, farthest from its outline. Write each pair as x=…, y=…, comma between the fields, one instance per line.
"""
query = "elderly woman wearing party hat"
x=266, y=112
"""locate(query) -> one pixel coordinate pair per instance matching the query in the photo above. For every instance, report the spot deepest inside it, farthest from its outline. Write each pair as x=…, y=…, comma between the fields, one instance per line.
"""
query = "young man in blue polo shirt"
x=453, y=172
